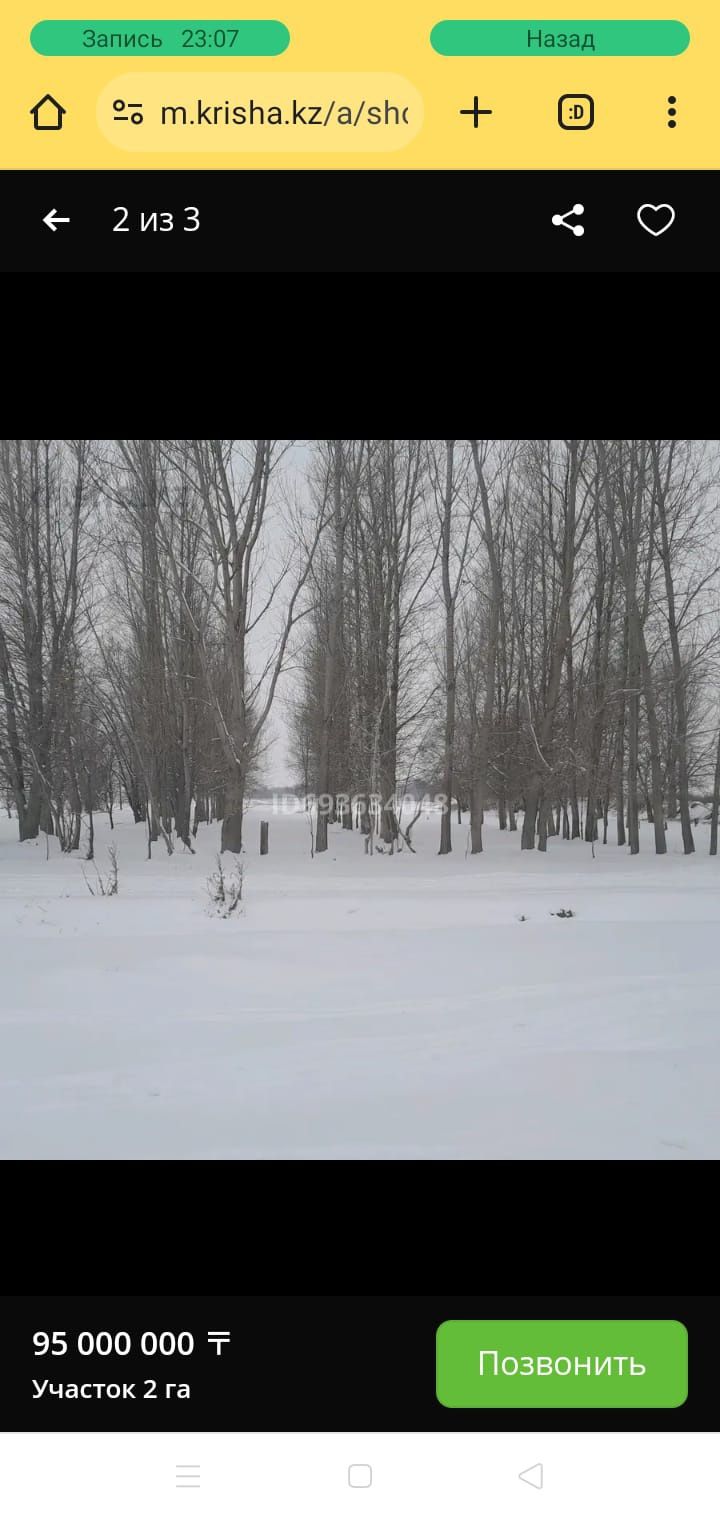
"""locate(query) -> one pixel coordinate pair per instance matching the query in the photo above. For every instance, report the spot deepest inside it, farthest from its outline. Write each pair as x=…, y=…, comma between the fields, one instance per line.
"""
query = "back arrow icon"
x=52, y=219
x=533, y=1475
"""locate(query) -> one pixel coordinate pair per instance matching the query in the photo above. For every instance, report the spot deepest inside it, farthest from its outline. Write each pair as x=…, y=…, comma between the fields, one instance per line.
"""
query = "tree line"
x=528, y=625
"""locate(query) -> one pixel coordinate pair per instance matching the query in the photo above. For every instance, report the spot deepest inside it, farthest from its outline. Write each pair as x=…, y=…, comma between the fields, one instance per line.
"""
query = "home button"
x=47, y=114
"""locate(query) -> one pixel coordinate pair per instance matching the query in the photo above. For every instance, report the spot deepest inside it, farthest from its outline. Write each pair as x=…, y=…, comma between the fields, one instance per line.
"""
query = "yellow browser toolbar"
x=409, y=84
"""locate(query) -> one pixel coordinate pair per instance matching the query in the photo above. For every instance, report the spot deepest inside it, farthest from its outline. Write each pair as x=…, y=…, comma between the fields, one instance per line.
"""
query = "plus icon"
x=476, y=112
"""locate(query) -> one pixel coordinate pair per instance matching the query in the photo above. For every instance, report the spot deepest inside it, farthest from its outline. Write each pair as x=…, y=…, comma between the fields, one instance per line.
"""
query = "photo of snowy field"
x=406, y=1006
x=360, y=798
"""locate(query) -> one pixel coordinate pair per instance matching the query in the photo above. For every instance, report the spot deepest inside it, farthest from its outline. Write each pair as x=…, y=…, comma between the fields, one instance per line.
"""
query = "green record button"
x=151, y=39
x=561, y=1363
x=557, y=39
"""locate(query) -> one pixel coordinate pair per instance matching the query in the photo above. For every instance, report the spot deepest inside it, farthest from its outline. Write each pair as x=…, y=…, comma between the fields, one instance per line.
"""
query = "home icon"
x=47, y=115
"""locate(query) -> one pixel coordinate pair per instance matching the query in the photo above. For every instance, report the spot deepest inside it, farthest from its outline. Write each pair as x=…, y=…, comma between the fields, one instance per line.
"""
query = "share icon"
x=560, y=220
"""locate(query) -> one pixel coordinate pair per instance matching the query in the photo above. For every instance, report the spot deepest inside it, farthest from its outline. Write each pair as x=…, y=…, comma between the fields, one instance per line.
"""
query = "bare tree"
x=560, y=497
x=481, y=721
x=532, y=623
x=231, y=484
x=455, y=511
x=688, y=555
x=630, y=514
x=45, y=499
x=342, y=472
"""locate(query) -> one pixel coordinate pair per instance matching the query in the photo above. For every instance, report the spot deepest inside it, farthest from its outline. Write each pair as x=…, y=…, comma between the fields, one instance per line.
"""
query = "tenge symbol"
x=218, y=1339
x=562, y=221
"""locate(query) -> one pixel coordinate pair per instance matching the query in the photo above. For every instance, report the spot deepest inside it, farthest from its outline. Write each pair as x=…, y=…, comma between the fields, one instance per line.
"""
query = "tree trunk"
x=331, y=653
x=76, y=799
x=450, y=672
x=17, y=776
x=493, y=629
x=715, y=802
x=476, y=817
x=633, y=719
x=232, y=824
x=184, y=805
x=683, y=788
x=672, y=783
x=445, y=820
x=542, y=825
x=532, y=800
x=679, y=677
x=619, y=787
x=33, y=811
x=575, y=810
x=571, y=740
x=389, y=823
x=620, y=744
x=200, y=814
x=152, y=820
x=655, y=763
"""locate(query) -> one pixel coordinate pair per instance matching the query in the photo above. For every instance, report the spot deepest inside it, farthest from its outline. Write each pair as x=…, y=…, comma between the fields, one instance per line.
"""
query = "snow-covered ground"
x=385, y=1007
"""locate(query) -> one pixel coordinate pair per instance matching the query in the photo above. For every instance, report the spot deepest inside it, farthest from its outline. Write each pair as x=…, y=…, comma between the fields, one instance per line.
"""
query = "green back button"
x=561, y=1363
x=558, y=39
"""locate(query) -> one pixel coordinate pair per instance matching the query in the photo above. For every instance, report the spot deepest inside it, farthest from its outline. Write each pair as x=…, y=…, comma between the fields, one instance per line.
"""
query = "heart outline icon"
x=647, y=206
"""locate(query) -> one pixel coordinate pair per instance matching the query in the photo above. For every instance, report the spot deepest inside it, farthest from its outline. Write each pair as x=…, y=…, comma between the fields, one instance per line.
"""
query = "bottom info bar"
x=361, y=1473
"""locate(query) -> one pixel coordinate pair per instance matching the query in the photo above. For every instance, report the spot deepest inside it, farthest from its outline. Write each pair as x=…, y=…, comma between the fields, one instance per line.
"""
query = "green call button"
x=561, y=1363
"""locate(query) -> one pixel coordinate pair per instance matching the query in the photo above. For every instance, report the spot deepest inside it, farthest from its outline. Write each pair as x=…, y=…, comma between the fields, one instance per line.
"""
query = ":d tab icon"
x=576, y=113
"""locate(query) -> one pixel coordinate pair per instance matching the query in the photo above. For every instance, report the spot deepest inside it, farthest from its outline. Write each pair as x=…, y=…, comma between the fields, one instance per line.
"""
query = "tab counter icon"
x=576, y=113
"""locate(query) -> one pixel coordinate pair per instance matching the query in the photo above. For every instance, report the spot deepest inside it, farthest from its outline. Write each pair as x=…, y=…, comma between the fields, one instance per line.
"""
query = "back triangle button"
x=533, y=1475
